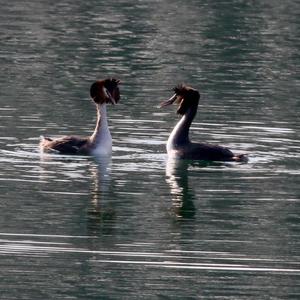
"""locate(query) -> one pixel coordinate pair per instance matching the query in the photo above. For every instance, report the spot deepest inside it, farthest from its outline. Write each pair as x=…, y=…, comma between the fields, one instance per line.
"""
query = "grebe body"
x=179, y=144
x=100, y=142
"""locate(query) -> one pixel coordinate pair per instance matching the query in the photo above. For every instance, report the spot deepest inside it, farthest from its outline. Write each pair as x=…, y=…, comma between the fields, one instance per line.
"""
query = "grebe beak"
x=169, y=101
x=109, y=96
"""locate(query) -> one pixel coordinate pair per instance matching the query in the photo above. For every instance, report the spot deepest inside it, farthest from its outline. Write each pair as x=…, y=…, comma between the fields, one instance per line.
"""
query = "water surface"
x=139, y=226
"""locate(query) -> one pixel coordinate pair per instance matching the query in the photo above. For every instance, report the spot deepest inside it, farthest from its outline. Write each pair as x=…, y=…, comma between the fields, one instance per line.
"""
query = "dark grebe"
x=100, y=142
x=179, y=144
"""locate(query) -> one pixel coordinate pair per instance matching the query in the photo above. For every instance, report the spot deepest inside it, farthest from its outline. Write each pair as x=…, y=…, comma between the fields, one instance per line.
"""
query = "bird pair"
x=178, y=145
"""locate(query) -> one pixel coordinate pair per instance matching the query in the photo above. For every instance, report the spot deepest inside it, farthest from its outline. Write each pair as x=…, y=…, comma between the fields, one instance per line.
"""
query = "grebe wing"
x=65, y=145
x=209, y=152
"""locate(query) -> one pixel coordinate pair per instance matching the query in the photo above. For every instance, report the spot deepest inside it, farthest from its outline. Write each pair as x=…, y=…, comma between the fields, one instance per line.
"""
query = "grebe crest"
x=105, y=91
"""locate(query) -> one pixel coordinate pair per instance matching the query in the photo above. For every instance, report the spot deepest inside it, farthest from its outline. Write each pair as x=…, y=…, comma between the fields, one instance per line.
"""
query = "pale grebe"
x=179, y=144
x=100, y=142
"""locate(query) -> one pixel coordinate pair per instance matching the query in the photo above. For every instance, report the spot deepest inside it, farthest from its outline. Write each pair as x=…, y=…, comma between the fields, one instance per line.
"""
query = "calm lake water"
x=138, y=226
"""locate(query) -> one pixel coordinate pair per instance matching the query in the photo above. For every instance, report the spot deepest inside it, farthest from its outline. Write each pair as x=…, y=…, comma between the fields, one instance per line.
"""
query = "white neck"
x=101, y=138
x=179, y=135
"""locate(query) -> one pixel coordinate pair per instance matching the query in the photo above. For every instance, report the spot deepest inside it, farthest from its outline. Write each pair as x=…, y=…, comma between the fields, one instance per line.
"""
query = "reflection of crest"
x=182, y=195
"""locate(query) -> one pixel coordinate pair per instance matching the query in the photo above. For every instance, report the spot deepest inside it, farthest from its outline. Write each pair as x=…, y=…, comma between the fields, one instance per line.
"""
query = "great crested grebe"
x=179, y=144
x=100, y=142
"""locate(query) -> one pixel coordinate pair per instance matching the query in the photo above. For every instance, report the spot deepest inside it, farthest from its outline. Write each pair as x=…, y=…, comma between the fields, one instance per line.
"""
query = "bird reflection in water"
x=182, y=196
x=82, y=177
x=100, y=217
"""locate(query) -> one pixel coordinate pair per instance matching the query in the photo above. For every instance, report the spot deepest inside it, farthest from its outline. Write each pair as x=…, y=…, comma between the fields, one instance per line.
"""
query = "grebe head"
x=105, y=91
x=185, y=96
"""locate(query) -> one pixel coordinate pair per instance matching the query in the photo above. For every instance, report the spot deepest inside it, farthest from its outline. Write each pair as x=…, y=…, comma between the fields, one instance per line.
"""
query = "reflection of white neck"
x=100, y=175
x=171, y=168
x=101, y=138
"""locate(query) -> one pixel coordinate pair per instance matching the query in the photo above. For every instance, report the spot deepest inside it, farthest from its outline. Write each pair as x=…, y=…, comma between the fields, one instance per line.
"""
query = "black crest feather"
x=179, y=88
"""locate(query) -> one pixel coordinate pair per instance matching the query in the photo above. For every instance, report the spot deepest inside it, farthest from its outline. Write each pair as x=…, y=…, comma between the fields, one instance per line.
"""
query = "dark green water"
x=139, y=226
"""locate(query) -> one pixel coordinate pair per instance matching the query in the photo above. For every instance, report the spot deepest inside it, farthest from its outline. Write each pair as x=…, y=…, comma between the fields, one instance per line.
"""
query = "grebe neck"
x=180, y=134
x=101, y=137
